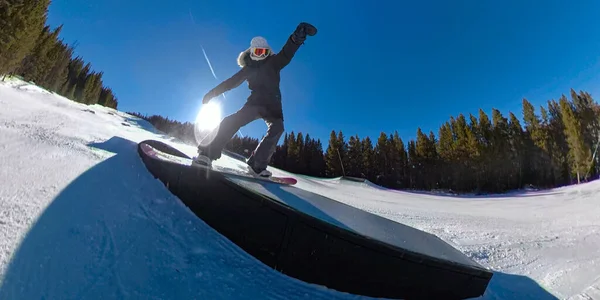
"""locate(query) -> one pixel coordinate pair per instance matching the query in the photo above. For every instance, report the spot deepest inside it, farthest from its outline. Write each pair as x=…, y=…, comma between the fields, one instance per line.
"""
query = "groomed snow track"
x=344, y=248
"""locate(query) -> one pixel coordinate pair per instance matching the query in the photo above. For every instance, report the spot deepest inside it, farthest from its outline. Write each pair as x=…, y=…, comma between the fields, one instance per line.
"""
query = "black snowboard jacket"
x=263, y=79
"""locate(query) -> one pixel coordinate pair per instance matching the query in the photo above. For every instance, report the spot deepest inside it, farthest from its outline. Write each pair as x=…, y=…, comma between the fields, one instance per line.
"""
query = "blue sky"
x=374, y=65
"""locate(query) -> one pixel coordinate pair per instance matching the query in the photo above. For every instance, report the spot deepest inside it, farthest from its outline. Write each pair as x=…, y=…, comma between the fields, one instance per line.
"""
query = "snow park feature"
x=318, y=240
x=81, y=217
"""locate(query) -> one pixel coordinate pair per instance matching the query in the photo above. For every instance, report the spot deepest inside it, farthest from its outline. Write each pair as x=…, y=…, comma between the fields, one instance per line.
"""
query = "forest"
x=553, y=145
x=33, y=51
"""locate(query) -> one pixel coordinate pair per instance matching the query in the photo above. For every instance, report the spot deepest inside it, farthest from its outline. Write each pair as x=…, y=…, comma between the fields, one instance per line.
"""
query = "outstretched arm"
x=284, y=57
x=228, y=84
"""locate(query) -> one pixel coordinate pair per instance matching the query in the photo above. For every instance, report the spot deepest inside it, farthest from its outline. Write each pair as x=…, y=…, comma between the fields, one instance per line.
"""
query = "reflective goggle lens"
x=260, y=52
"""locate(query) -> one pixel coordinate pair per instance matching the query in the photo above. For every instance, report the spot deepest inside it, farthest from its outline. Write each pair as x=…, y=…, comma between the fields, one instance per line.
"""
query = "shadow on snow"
x=84, y=240
x=511, y=286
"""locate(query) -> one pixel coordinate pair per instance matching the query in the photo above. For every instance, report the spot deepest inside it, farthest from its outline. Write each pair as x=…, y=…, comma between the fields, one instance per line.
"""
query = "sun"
x=209, y=116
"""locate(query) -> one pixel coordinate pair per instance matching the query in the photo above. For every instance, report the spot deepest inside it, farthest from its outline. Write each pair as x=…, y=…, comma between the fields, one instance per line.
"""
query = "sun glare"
x=209, y=116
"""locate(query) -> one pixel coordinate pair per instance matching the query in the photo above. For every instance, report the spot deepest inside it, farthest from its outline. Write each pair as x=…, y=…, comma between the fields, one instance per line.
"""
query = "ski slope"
x=81, y=217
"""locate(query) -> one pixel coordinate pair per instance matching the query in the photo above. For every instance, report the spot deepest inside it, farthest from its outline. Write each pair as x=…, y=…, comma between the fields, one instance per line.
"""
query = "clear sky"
x=373, y=66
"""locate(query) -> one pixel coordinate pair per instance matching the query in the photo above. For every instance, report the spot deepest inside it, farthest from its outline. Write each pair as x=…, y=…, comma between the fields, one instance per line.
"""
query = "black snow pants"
x=231, y=124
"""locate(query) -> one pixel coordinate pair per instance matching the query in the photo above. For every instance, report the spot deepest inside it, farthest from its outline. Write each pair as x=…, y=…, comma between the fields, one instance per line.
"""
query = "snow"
x=81, y=217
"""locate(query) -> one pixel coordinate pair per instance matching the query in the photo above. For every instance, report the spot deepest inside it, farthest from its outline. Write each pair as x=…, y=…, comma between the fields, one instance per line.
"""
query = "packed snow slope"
x=82, y=218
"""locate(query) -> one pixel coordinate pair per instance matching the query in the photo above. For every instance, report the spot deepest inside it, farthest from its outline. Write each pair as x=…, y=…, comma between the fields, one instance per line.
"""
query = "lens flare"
x=209, y=116
x=207, y=121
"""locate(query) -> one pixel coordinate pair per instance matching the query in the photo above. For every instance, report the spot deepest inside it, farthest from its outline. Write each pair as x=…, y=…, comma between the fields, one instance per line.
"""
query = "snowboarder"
x=261, y=68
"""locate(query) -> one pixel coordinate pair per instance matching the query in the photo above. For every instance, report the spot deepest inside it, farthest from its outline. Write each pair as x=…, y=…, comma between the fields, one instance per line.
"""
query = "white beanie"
x=258, y=42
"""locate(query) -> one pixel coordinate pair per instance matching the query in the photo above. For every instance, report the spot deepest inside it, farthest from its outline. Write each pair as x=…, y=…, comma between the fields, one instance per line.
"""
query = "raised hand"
x=302, y=30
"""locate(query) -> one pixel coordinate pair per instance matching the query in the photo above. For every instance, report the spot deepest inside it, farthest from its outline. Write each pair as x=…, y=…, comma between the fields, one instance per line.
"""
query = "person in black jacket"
x=260, y=68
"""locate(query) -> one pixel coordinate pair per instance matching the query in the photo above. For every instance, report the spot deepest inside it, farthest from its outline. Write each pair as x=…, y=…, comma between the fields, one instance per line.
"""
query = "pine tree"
x=533, y=130
x=21, y=22
x=75, y=68
x=37, y=64
x=342, y=151
x=112, y=101
x=536, y=145
x=500, y=150
x=370, y=167
x=293, y=153
x=517, y=152
x=60, y=55
x=426, y=156
x=382, y=160
x=579, y=153
x=559, y=147
x=445, y=149
x=279, y=158
x=586, y=111
x=355, y=160
x=81, y=82
x=485, y=134
x=306, y=154
x=412, y=164
x=475, y=149
x=333, y=156
x=400, y=161
x=317, y=160
x=471, y=153
x=458, y=154
x=433, y=161
x=300, y=159
x=92, y=88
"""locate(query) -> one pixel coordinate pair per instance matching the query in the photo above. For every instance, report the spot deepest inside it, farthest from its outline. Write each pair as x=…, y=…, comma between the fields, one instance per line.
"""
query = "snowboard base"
x=152, y=151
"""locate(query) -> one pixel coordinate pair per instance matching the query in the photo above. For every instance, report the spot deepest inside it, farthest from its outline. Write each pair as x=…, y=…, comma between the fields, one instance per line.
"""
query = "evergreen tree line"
x=183, y=131
x=32, y=50
x=557, y=145
x=300, y=154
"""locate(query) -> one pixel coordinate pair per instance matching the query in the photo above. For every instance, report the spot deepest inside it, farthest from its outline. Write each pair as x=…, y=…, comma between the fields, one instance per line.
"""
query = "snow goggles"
x=260, y=52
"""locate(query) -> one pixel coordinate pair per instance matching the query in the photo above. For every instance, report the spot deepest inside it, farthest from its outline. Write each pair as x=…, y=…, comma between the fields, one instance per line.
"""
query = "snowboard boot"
x=203, y=157
x=262, y=173
x=256, y=172
x=202, y=160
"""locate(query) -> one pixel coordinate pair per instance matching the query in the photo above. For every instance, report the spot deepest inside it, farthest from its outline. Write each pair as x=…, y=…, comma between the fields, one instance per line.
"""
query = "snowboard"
x=154, y=152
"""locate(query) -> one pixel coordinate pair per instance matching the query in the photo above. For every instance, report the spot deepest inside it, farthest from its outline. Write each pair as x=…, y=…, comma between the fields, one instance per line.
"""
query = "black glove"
x=302, y=31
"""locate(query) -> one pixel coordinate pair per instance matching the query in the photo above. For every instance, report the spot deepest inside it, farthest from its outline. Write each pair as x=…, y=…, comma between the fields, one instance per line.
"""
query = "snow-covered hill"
x=81, y=218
